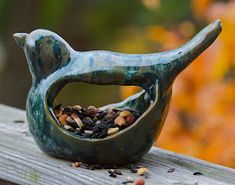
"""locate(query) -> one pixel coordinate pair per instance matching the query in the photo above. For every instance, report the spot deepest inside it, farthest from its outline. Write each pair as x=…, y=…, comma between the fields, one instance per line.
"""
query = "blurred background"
x=201, y=121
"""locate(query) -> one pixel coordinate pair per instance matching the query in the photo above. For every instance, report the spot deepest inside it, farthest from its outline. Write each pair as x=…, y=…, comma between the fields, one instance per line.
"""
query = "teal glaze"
x=53, y=64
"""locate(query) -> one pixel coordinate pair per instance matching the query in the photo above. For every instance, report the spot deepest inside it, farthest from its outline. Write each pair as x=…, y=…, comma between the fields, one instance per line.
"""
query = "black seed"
x=111, y=124
x=128, y=181
x=112, y=175
x=95, y=129
x=95, y=134
x=102, y=125
x=100, y=115
x=118, y=172
x=102, y=134
x=111, y=171
x=68, y=111
x=80, y=115
x=171, y=170
x=197, y=173
x=18, y=121
x=87, y=136
x=87, y=120
x=83, y=110
x=108, y=121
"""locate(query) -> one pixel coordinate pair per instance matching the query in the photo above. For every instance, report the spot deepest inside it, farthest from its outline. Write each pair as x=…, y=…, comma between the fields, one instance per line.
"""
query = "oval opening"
x=90, y=94
x=74, y=101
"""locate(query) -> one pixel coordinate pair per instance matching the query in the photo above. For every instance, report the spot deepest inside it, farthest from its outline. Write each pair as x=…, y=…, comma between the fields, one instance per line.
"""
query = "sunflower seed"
x=77, y=107
x=142, y=171
x=77, y=120
x=120, y=121
x=112, y=131
x=76, y=164
x=62, y=119
x=125, y=113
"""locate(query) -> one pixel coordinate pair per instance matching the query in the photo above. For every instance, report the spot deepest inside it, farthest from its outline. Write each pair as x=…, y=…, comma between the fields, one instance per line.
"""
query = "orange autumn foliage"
x=201, y=121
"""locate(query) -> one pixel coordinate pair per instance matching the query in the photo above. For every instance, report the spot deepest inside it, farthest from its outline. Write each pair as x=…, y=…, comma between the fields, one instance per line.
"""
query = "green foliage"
x=51, y=13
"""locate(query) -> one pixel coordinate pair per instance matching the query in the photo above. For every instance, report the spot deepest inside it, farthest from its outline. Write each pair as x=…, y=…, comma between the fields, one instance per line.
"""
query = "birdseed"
x=114, y=172
x=118, y=172
x=76, y=164
x=171, y=170
x=197, y=173
x=92, y=122
x=141, y=171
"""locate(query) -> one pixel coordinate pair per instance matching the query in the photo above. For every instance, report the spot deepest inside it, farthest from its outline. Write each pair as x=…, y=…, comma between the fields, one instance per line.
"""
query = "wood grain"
x=22, y=162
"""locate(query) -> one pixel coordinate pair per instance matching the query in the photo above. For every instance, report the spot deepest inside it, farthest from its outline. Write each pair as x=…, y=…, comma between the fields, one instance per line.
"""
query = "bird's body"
x=111, y=68
x=105, y=67
x=53, y=64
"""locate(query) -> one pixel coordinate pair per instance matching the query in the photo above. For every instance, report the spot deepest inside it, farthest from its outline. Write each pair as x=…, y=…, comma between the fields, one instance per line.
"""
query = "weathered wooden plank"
x=22, y=162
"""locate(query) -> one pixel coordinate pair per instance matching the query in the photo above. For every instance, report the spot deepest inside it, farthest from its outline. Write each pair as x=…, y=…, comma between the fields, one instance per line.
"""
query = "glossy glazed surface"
x=53, y=64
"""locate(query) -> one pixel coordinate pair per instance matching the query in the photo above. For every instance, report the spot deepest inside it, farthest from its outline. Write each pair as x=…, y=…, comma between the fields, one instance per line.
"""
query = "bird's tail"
x=177, y=60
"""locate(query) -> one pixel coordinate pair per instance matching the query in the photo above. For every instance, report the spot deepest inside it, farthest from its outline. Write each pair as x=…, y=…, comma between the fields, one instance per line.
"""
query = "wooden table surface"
x=22, y=162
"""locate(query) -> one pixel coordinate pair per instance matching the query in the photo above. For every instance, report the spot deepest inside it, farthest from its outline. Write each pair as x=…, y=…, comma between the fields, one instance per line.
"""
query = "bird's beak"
x=20, y=38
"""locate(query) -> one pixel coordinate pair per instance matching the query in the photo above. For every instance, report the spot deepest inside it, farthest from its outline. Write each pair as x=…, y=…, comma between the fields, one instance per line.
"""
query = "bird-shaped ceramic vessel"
x=53, y=64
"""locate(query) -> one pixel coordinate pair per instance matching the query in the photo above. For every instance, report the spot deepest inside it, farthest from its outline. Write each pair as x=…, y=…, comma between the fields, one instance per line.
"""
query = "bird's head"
x=45, y=52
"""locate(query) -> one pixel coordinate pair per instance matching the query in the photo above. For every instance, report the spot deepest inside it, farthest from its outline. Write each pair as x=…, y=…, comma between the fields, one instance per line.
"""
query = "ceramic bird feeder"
x=53, y=64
